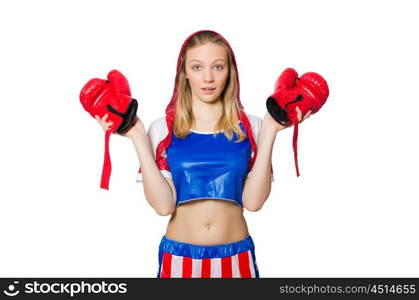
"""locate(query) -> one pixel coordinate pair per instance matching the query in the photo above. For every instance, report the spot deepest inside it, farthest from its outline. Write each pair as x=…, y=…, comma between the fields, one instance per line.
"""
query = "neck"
x=207, y=111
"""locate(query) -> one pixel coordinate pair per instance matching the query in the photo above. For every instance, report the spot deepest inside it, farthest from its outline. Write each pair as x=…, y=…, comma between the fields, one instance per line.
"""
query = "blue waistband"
x=201, y=251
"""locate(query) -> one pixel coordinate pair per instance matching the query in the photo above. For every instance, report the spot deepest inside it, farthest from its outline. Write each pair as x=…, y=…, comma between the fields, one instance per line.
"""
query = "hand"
x=105, y=125
x=300, y=114
x=108, y=126
x=277, y=127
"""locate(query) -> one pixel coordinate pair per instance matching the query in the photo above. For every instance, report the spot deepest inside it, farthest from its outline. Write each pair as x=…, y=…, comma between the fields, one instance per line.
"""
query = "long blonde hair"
x=184, y=118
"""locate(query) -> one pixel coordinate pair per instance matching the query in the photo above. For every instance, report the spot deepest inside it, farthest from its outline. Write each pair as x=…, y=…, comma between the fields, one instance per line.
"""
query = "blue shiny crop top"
x=206, y=165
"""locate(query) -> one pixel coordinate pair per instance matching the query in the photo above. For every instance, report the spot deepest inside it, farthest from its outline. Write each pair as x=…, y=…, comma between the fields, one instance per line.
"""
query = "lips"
x=208, y=90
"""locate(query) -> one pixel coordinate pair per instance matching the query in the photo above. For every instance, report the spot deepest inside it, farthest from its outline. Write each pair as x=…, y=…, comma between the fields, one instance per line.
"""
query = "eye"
x=195, y=66
x=221, y=67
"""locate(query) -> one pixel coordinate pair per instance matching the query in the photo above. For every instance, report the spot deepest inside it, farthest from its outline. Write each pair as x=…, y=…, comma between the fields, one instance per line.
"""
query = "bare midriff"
x=207, y=222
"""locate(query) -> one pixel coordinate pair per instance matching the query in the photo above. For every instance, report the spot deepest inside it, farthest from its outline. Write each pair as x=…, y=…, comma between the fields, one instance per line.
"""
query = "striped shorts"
x=183, y=260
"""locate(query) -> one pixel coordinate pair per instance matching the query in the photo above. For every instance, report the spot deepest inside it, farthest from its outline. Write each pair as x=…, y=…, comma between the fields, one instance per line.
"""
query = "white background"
x=353, y=211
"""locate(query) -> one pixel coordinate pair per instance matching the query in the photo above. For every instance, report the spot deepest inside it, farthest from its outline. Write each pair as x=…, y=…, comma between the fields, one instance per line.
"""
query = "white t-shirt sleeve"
x=156, y=132
x=256, y=124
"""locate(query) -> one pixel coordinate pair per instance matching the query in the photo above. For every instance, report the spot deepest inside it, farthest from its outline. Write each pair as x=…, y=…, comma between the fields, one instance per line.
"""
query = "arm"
x=159, y=191
x=257, y=186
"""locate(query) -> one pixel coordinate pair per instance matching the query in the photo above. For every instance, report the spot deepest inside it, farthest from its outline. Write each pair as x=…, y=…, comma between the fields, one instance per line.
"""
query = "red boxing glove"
x=112, y=97
x=309, y=92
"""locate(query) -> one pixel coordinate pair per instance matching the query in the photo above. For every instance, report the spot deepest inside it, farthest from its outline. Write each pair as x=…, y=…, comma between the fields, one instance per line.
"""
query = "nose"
x=208, y=76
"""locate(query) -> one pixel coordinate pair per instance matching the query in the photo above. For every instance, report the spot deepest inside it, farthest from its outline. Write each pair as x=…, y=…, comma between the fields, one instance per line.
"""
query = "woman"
x=195, y=165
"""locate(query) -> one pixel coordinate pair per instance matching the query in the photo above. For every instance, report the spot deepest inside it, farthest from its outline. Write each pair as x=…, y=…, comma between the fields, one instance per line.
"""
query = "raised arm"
x=159, y=190
x=257, y=186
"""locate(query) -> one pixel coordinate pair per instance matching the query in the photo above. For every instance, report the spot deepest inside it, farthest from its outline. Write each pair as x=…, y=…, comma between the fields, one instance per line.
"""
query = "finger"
x=105, y=117
x=299, y=114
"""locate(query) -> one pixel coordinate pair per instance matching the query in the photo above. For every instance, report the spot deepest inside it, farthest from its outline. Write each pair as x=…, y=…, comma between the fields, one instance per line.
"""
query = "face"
x=207, y=71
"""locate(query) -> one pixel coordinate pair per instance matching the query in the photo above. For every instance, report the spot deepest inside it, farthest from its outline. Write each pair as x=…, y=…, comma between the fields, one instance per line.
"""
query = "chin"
x=210, y=99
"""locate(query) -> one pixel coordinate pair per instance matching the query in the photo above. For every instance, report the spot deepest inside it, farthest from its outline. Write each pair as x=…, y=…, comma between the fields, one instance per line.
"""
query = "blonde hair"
x=184, y=118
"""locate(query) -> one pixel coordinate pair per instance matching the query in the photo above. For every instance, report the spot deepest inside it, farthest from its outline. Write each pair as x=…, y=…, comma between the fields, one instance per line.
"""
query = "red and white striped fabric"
x=240, y=265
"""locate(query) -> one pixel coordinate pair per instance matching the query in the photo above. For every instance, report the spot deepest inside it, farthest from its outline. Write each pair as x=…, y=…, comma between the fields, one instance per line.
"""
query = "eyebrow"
x=213, y=61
